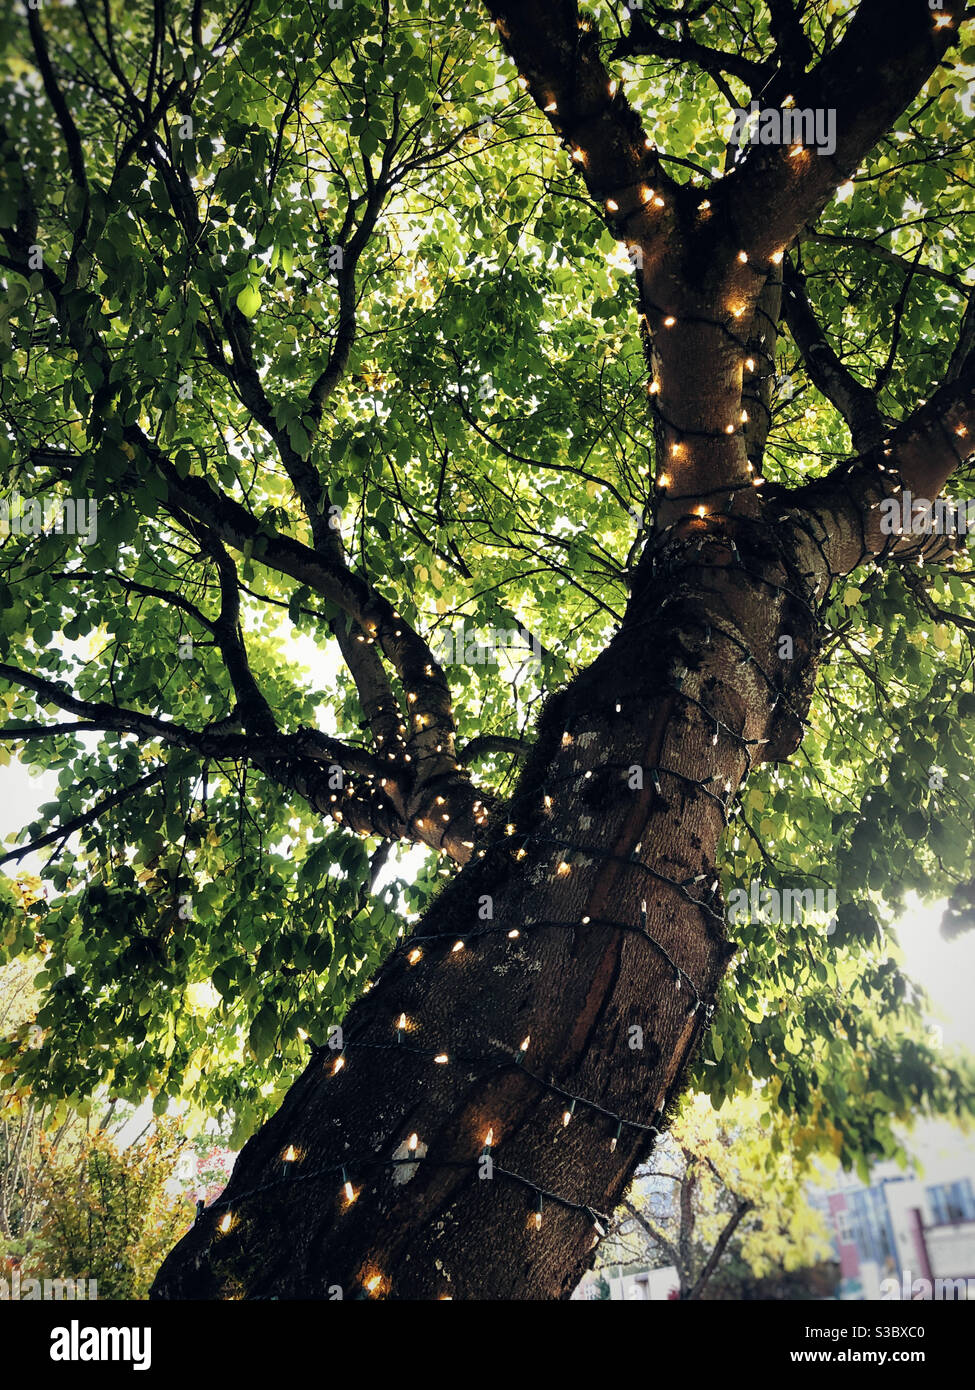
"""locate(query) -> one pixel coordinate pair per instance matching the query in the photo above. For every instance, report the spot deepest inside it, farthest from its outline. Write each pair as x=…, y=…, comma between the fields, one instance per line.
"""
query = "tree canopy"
x=316, y=305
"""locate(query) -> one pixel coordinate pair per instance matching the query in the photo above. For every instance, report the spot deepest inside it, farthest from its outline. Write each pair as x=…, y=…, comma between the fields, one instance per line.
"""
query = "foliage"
x=487, y=447
x=718, y=1171
x=109, y=1213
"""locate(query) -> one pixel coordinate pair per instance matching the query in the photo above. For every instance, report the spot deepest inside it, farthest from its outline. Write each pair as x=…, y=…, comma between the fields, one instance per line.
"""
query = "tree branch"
x=855, y=402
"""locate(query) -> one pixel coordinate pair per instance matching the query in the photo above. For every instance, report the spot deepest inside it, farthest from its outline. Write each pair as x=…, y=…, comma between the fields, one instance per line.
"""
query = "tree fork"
x=567, y=1016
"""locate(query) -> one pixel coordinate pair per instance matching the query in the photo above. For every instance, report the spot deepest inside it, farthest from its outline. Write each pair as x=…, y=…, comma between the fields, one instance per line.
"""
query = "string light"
x=400, y=1027
x=743, y=257
x=538, y=1214
x=551, y=107
x=225, y=1222
x=457, y=946
x=441, y=1058
x=337, y=1065
x=704, y=205
x=778, y=257
x=669, y=321
x=415, y=955
x=612, y=205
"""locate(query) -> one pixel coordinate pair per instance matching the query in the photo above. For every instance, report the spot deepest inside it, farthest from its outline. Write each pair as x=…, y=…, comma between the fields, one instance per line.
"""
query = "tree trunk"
x=603, y=949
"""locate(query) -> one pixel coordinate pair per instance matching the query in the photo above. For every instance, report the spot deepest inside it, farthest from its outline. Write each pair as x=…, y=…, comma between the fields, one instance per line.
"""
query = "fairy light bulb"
x=750, y=364
x=563, y=868
x=412, y=1142
x=457, y=946
x=778, y=257
x=743, y=257
x=612, y=205
x=513, y=933
x=337, y=1065
x=538, y=1214
x=290, y=1154
x=441, y=1058
x=523, y=83
x=415, y=955
x=704, y=205
x=524, y=1045
x=349, y=1191
x=578, y=157
x=674, y=450
x=373, y=1283
x=663, y=482
x=226, y=1221
x=400, y=1027
x=654, y=388
x=489, y=1140
x=669, y=321
x=551, y=107
x=702, y=511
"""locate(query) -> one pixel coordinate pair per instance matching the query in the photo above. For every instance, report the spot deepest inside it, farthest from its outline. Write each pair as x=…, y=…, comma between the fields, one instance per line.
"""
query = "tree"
x=32, y=1131
x=399, y=335
x=709, y=1195
x=109, y=1212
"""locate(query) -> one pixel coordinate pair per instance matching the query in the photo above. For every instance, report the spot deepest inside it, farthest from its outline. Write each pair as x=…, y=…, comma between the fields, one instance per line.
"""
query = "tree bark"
x=551, y=997
x=604, y=948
